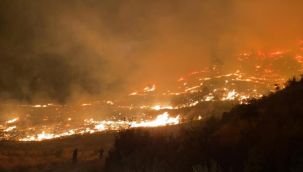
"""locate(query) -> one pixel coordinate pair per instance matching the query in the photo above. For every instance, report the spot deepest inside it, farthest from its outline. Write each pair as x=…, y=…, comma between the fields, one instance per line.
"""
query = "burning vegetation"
x=150, y=107
x=263, y=135
x=214, y=72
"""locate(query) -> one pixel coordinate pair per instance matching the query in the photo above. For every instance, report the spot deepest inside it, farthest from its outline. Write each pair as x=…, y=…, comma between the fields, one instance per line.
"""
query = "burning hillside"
x=256, y=76
x=97, y=69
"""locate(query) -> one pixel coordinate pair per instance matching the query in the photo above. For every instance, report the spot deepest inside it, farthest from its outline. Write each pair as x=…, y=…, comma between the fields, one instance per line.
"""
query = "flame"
x=209, y=97
x=86, y=104
x=150, y=88
x=39, y=106
x=224, y=92
x=9, y=128
x=161, y=120
x=160, y=107
x=133, y=93
x=12, y=120
x=231, y=95
x=99, y=126
x=109, y=102
x=190, y=87
x=44, y=136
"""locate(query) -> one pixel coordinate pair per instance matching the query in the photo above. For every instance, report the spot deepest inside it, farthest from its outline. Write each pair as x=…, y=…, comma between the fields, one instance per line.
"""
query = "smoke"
x=64, y=50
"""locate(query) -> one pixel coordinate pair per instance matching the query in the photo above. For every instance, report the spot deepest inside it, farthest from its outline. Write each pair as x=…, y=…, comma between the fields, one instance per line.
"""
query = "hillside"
x=264, y=135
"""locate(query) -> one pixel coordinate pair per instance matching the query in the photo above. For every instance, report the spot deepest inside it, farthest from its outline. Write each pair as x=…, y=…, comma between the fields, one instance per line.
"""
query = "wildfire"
x=220, y=87
x=206, y=86
x=161, y=120
x=99, y=126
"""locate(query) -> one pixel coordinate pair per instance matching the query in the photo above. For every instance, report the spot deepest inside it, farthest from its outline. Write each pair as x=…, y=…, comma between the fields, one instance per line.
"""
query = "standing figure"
x=75, y=155
x=101, y=152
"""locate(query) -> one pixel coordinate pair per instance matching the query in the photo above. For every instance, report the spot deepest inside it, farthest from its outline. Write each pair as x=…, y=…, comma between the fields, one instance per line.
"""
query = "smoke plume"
x=63, y=50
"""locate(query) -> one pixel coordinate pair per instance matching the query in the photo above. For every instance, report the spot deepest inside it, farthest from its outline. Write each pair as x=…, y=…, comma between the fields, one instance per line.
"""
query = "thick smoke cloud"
x=62, y=50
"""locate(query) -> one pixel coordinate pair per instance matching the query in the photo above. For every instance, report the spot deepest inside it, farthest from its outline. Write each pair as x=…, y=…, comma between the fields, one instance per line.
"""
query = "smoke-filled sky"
x=61, y=50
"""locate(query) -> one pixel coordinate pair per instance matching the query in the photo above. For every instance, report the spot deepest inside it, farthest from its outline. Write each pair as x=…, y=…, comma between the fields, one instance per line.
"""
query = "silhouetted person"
x=75, y=155
x=101, y=152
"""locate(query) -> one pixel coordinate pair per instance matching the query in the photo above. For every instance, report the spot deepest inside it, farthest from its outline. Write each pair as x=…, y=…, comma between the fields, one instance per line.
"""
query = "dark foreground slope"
x=264, y=135
x=55, y=155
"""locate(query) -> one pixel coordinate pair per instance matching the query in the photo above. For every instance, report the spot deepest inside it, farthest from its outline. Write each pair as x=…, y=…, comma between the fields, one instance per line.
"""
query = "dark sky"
x=62, y=50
